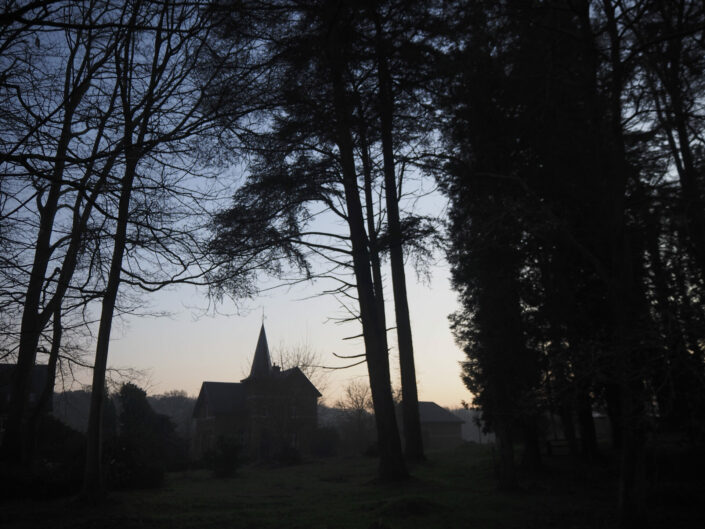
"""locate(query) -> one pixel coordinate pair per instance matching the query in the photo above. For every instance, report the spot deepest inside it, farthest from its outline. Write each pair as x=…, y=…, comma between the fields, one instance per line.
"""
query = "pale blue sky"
x=183, y=350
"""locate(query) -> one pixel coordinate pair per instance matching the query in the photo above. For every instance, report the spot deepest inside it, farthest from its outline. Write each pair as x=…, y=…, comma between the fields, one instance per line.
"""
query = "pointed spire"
x=261, y=363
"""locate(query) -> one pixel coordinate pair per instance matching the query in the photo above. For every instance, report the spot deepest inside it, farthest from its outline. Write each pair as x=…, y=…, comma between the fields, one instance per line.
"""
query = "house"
x=440, y=429
x=37, y=382
x=268, y=413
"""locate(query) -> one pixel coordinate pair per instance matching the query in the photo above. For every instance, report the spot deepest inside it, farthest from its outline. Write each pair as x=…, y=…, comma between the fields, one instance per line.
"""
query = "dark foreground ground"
x=453, y=490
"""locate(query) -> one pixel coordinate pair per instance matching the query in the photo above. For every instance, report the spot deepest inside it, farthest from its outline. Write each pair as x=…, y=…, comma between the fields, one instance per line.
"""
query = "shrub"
x=130, y=467
x=145, y=446
x=58, y=464
x=325, y=442
x=225, y=458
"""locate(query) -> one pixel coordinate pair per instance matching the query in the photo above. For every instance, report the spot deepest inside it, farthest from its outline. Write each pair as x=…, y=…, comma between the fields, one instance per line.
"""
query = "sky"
x=180, y=351
x=188, y=347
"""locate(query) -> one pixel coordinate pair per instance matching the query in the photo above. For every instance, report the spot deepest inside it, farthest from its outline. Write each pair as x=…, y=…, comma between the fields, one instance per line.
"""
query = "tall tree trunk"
x=34, y=320
x=622, y=299
x=672, y=397
x=19, y=428
x=507, y=467
x=614, y=412
x=48, y=389
x=531, y=458
x=93, y=484
x=410, y=399
x=677, y=120
x=78, y=229
x=391, y=465
x=15, y=440
x=562, y=398
x=372, y=240
x=586, y=424
x=499, y=322
x=371, y=228
x=691, y=194
x=52, y=364
x=568, y=426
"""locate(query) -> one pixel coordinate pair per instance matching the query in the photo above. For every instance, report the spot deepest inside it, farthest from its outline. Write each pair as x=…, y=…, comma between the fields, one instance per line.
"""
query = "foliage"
x=566, y=136
x=58, y=468
x=573, y=239
x=178, y=406
x=224, y=459
x=146, y=445
x=305, y=155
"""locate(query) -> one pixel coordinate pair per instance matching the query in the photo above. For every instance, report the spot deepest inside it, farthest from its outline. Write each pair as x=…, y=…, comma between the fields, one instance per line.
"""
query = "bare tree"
x=308, y=360
x=51, y=162
x=357, y=423
x=356, y=398
x=161, y=110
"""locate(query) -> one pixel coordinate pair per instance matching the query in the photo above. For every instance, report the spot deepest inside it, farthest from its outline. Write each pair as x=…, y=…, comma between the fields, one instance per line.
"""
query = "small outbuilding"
x=440, y=429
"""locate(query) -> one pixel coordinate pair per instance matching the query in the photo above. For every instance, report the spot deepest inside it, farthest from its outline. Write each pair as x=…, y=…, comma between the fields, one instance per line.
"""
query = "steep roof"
x=261, y=363
x=295, y=373
x=432, y=412
x=220, y=398
x=228, y=398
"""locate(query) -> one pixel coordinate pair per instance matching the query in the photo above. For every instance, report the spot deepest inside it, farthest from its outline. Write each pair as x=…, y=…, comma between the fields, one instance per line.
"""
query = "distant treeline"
x=71, y=408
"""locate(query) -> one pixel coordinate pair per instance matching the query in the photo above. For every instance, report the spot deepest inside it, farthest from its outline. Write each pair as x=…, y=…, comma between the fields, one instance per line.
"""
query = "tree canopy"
x=567, y=137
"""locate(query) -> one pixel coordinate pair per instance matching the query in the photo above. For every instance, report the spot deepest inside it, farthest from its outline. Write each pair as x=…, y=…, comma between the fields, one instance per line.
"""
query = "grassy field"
x=453, y=489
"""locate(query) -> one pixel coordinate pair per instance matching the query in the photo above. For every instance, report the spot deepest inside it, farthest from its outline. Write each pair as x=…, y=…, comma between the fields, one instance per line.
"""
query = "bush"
x=129, y=467
x=225, y=458
x=58, y=464
x=145, y=446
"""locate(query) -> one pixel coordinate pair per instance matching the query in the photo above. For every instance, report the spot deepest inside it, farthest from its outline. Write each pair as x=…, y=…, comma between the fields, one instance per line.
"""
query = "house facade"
x=267, y=413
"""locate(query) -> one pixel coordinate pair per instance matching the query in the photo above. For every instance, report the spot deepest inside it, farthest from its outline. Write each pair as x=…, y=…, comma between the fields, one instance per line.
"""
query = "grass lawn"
x=453, y=489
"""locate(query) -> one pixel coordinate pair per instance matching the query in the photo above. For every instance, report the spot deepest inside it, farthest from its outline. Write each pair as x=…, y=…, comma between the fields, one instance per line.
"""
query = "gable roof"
x=432, y=412
x=220, y=398
x=261, y=363
x=295, y=373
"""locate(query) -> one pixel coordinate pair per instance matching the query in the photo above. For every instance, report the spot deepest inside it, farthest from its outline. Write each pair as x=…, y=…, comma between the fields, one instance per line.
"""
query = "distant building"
x=440, y=429
x=268, y=412
x=37, y=382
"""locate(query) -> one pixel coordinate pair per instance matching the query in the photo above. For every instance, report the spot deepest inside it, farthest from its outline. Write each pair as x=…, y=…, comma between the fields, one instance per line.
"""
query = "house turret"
x=261, y=363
